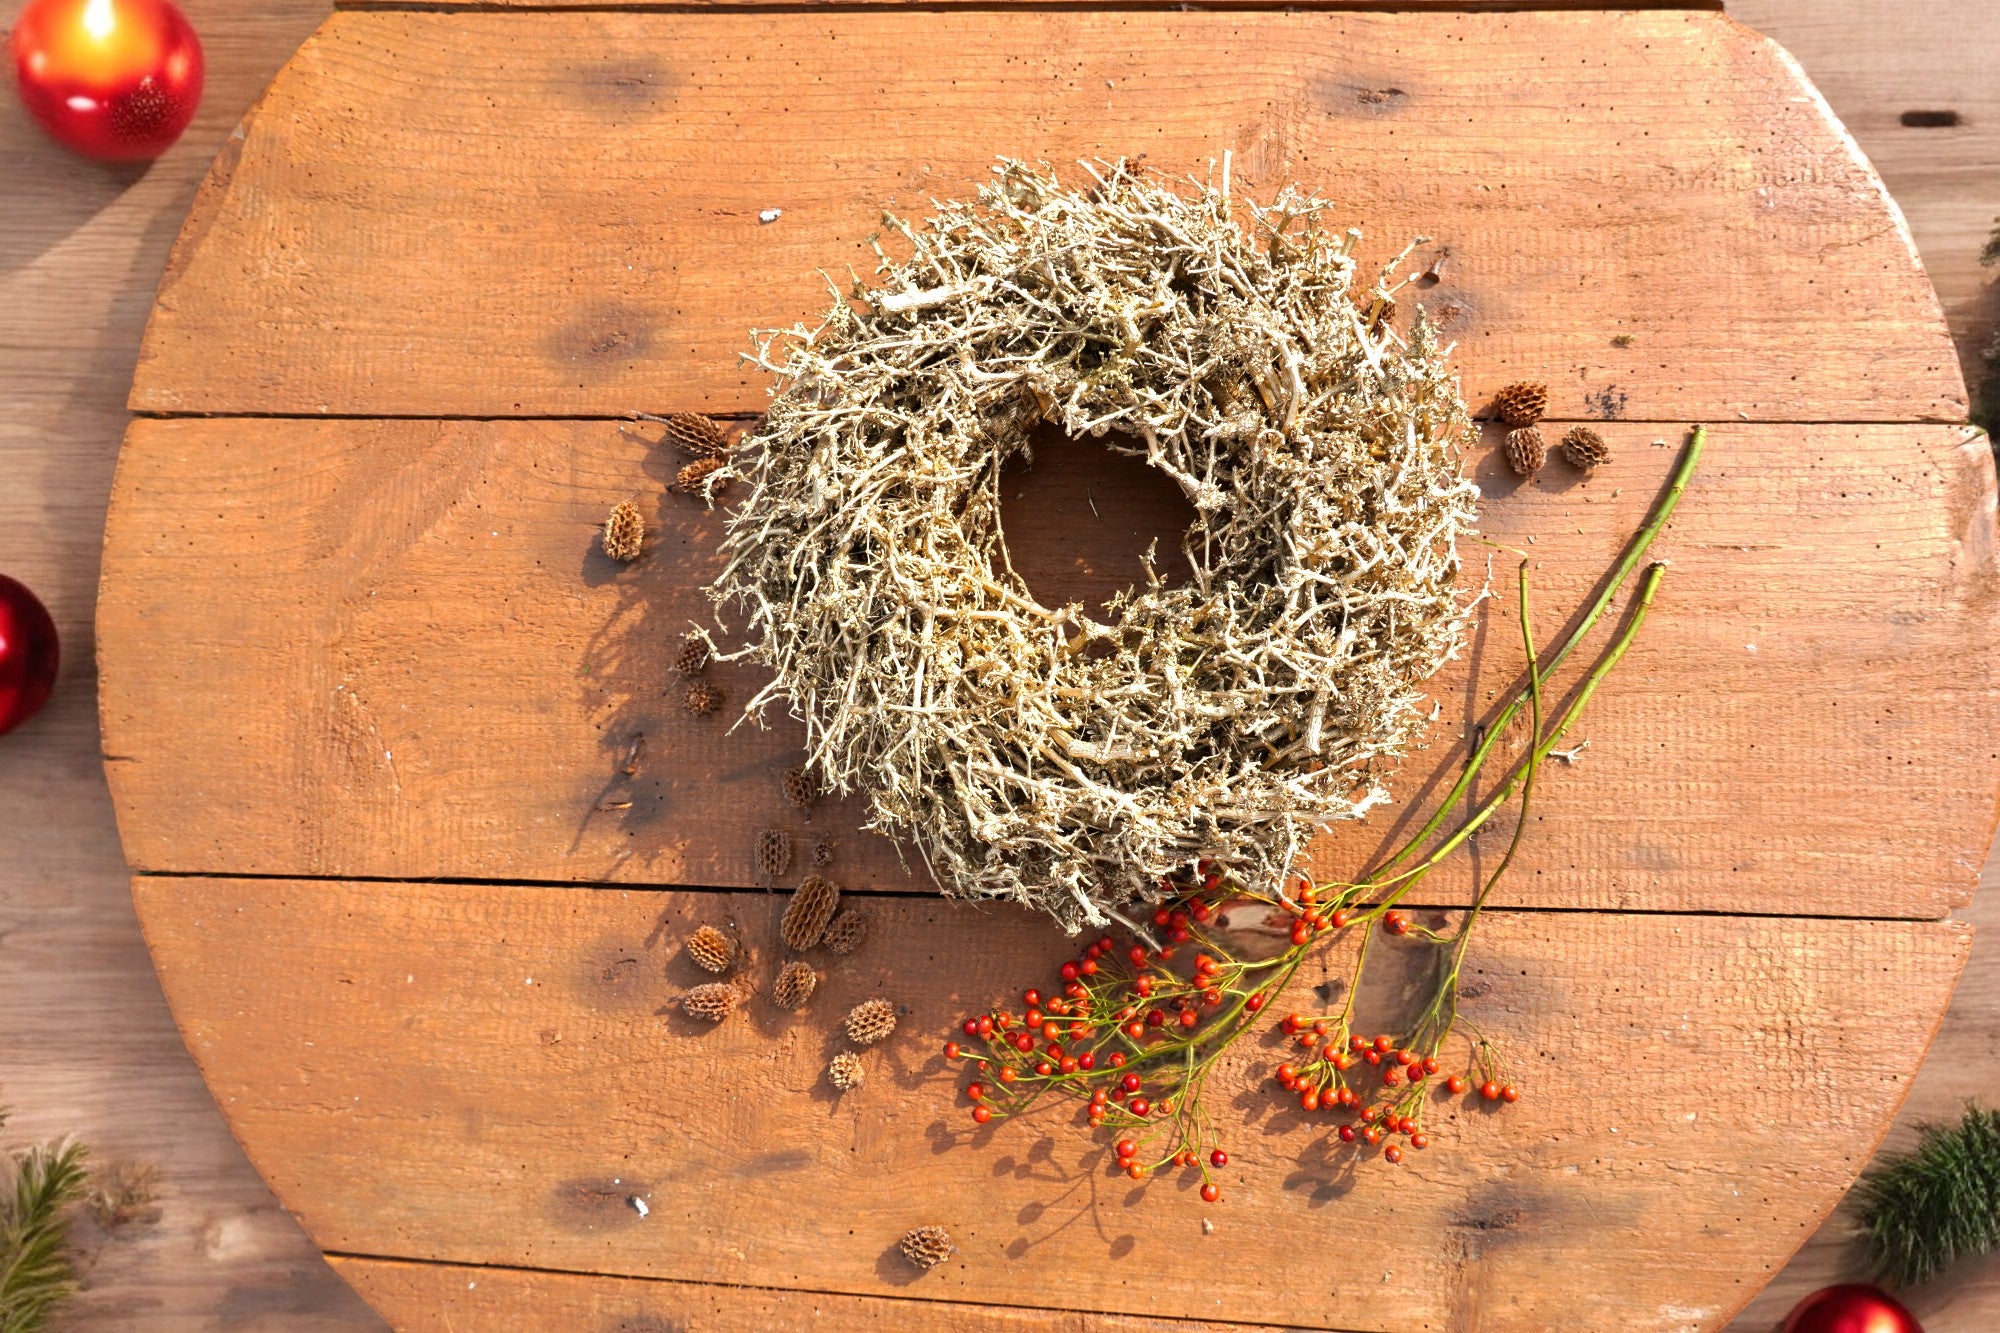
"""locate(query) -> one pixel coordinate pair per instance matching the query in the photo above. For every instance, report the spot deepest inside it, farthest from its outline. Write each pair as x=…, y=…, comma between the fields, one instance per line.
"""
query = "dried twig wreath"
x=1068, y=757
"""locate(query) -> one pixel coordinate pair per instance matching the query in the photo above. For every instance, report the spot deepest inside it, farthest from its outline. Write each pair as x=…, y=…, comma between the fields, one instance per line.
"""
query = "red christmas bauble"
x=113, y=79
x=1852, y=1307
x=28, y=654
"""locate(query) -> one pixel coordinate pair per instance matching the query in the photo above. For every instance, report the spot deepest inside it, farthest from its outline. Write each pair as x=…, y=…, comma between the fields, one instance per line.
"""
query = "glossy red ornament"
x=28, y=654
x=113, y=79
x=1852, y=1307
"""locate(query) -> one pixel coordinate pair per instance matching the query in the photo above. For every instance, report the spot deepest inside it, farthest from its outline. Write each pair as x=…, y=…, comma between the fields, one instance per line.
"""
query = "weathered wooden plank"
x=393, y=649
x=460, y=1298
x=473, y=1075
x=1928, y=118
x=604, y=175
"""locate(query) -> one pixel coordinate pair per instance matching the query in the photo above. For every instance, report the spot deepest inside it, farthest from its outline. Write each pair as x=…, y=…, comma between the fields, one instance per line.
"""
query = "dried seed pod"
x=871, y=1021
x=927, y=1247
x=845, y=1071
x=696, y=435
x=1374, y=307
x=1525, y=451
x=800, y=789
x=712, y=950
x=1522, y=404
x=624, y=532
x=1585, y=447
x=692, y=659
x=715, y=1001
x=823, y=852
x=795, y=985
x=845, y=932
x=812, y=906
x=702, y=697
x=698, y=478
x=774, y=853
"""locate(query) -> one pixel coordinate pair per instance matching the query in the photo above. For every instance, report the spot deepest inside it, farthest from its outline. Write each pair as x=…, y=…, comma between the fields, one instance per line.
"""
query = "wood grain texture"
x=459, y=1298
x=1879, y=61
x=460, y=1073
x=1686, y=188
x=410, y=660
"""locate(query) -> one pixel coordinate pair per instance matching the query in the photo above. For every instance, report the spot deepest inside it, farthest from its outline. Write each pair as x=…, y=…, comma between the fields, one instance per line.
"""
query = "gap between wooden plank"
x=1415, y=901
x=915, y=1302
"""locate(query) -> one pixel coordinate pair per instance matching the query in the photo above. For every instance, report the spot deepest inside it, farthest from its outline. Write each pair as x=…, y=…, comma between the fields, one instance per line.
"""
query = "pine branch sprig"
x=1937, y=1203
x=35, y=1270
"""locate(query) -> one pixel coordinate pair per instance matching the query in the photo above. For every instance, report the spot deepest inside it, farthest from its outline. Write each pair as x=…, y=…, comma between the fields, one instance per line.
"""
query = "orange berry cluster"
x=1321, y=1078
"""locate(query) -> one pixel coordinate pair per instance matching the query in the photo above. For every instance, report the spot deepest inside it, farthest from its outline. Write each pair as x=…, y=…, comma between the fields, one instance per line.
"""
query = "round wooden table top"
x=419, y=822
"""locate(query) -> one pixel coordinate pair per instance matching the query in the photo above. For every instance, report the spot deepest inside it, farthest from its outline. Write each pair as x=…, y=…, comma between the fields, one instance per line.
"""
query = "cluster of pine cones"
x=812, y=918
x=1521, y=407
x=707, y=444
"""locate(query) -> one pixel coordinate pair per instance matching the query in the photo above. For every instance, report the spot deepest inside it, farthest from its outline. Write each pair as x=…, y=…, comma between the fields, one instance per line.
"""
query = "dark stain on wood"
x=1930, y=120
x=619, y=87
x=1608, y=403
x=776, y=1163
x=1341, y=97
x=596, y=1203
x=646, y=1323
x=606, y=335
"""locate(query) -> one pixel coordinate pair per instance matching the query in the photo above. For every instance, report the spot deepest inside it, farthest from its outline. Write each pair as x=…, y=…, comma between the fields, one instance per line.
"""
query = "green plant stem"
x=1635, y=550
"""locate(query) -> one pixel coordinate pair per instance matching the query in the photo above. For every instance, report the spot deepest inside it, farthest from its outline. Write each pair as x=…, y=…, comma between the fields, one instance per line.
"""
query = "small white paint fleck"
x=638, y=1205
x=470, y=1285
x=527, y=981
x=770, y=215
x=1750, y=647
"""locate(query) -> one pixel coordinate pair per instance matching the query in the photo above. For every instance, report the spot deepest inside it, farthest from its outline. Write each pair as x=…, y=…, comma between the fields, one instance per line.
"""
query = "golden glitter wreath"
x=1069, y=757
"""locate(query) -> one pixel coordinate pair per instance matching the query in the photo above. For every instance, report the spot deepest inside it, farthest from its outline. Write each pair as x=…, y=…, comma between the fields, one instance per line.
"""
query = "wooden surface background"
x=84, y=1041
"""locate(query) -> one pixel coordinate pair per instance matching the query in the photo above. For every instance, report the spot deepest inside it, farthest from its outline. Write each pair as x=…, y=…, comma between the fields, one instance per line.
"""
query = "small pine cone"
x=696, y=435
x=799, y=788
x=1585, y=447
x=812, y=906
x=714, y=1002
x=698, y=478
x=1522, y=404
x=795, y=985
x=846, y=1071
x=845, y=932
x=774, y=853
x=871, y=1021
x=702, y=697
x=624, y=532
x=711, y=949
x=927, y=1247
x=692, y=659
x=1525, y=451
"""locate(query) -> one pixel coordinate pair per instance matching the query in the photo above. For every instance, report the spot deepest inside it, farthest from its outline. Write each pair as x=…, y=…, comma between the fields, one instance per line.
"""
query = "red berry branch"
x=1135, y=1027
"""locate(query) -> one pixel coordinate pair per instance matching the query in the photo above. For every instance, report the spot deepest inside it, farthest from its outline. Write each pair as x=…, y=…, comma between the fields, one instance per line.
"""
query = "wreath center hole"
x=1079, y=519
